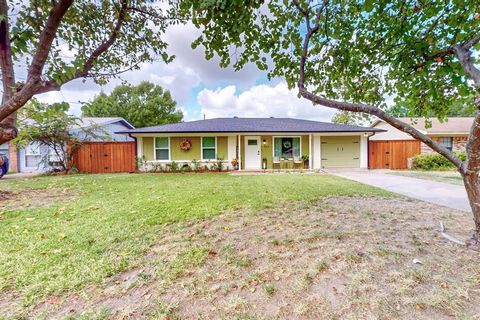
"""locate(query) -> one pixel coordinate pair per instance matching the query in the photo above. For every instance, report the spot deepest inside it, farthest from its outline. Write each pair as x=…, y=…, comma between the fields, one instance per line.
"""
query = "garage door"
x=340, y=152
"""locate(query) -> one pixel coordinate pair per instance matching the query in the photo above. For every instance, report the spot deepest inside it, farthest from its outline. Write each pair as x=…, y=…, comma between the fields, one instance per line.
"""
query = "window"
x=4, y=148
x=447, y=142
x=252, y=142
x=33, y=157
x=53, y=158
x=209, y=148
x=162, y=146
x=286, y=147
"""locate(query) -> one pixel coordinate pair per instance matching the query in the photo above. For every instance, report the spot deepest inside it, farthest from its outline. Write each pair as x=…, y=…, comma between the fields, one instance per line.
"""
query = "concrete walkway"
x=11, y=176
x=440, y=193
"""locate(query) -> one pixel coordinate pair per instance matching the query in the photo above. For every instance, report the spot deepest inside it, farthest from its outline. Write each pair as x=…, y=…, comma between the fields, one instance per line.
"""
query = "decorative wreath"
x=185, y=145
x=287, y=144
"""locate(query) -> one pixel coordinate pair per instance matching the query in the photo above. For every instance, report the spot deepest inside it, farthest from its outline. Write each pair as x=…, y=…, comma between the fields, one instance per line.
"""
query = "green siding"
x=148, y=148
x=178, y=154
x=222, y=148
x=340, y=152
x=267, y=150
x=305, y=145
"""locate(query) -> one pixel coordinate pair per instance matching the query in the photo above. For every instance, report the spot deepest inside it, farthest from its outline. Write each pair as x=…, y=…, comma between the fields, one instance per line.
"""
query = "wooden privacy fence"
x=391, y=154
x=105, y=157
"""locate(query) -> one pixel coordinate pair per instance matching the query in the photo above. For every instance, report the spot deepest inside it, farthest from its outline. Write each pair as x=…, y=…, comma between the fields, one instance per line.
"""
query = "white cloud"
x=260, y=101
x=188, y=70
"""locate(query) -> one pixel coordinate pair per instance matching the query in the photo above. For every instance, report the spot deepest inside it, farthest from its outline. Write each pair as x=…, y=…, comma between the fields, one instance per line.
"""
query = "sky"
x=202, y=88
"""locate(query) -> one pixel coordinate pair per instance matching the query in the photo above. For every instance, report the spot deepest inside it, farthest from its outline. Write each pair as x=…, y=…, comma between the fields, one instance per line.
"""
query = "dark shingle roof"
x=252, y=125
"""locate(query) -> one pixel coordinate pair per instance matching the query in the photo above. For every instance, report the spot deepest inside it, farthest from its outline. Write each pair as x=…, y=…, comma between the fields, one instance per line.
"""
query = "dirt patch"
x=336, y=258
x=6, y=195
x=32, y=198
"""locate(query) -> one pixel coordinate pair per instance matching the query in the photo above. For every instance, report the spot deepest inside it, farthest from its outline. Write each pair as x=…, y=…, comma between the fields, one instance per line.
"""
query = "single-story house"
x=254, y=143
x=36, y=157
x=392, y=148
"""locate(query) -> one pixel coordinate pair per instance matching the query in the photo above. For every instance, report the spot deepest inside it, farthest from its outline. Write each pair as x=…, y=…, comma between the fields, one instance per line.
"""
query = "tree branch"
x=51, y=85
x=46, y=38
x=7, y=125
x=34, y=84
x=472, y=42
x=465, y=59
x=369, y=109
x=104, y=46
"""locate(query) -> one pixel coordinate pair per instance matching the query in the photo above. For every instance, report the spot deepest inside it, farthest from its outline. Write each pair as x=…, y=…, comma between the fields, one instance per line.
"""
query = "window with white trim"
x=162, y=148
x=447, y=142
x=286, y=147
x=53, y=159
x=209, y=148
x=33, y=157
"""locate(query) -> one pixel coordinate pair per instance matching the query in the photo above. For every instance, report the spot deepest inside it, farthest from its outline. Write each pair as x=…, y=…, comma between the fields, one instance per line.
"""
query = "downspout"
x=136, y=148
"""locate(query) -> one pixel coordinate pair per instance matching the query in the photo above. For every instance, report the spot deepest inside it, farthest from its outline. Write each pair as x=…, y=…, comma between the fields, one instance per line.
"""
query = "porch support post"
x=310, y=160
x=139, y=141
x=239, y=154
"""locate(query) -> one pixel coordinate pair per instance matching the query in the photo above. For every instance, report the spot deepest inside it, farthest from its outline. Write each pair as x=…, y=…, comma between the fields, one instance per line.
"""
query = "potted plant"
x=234, y=163
x=305, y=161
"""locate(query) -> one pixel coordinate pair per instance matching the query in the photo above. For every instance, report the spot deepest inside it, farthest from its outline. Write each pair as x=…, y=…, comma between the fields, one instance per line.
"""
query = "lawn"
x=452, y=177
x=66, y=232
x=189, y=246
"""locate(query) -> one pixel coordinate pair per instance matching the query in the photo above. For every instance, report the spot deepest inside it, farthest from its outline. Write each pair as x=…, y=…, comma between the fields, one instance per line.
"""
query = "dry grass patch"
x=13, y=199
x=338, y=258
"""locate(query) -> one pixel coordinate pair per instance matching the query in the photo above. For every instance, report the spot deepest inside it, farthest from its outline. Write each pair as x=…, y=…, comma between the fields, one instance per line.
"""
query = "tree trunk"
x=8, y=130
x=472, y=186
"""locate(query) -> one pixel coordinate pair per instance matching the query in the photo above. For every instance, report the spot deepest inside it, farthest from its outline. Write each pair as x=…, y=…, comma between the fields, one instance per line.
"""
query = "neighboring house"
x=392, y=148
x=8, y=149
x=4, y=148
x=256, y=143
x=39, y=158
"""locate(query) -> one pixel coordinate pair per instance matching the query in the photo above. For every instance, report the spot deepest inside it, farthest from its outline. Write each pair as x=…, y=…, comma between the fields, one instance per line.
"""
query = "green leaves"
x=87, y=26
x=143, y=105
x=363, y=51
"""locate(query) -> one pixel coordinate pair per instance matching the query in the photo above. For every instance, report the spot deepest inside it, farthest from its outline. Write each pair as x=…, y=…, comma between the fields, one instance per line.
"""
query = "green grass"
x=452, y=177
x=111, y=221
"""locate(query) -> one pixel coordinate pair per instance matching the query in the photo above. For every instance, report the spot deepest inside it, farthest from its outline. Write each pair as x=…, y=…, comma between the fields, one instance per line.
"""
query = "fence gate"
x=392, y=154
x=105, y=157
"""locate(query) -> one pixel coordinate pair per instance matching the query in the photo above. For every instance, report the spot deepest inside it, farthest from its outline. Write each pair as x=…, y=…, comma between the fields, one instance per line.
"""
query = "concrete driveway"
x=440, y=193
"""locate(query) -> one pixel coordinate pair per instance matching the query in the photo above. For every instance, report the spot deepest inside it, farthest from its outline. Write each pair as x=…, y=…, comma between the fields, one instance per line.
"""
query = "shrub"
x=173, y=166
x=218, y=165
x=156, y=167
x=196, y=165
x=434, y=161
x=186, y=168
x=462, y=156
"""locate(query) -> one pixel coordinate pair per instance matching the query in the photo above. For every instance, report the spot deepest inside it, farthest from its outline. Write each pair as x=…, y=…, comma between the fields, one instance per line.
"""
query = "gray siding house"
x=37, y=158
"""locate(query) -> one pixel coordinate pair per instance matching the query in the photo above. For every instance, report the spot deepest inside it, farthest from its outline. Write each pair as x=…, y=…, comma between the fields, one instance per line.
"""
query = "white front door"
x=253, y=157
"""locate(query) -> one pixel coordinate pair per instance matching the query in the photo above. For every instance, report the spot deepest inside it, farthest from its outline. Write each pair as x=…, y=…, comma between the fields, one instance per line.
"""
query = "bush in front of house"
x=434, y=161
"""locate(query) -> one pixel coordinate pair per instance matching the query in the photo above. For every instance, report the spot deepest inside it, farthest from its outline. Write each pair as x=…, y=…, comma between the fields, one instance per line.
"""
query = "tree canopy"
x=351, y=118
x=51, y=125
x=357, y=51
x=53, y=42
x=145, y=104
x=352, y=55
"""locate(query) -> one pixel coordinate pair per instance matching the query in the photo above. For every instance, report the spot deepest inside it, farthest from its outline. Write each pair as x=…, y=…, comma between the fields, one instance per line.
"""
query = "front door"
x=253, y=157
